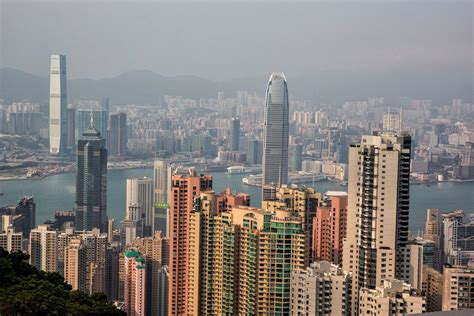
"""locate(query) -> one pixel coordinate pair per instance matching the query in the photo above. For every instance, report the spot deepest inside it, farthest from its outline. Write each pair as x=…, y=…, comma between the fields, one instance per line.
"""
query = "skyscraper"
x=118, y=134
x=235, y=134
x=162, y=171
x=329, y=228
x=184, y=190
x=275, y=140
x=91, y=181
x=433, y=232
x=135, y=285
x=378, y=204
x=43, y=249
x=71, y=129
x=140, y=192
x=11, y=241
x=57, y=106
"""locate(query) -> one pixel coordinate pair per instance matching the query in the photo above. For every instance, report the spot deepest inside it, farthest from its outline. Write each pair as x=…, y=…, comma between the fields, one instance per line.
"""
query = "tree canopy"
x=26, y=291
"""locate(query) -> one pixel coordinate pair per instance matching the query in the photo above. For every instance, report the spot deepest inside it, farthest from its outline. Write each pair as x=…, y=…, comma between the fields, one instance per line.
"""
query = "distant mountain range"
x=441, y=84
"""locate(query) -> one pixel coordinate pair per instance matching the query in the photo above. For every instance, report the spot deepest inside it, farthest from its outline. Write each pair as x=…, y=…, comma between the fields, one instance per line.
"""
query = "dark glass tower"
x=91, y=181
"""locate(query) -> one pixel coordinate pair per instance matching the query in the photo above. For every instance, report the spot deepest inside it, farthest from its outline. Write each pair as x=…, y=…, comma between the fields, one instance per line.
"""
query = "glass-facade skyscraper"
x=275, y=142
x=57, y=106
x=91, y=181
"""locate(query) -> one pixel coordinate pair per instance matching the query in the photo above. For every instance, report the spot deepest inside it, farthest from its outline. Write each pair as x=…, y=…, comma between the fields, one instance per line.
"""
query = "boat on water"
x=236, y=170
x=344, y=183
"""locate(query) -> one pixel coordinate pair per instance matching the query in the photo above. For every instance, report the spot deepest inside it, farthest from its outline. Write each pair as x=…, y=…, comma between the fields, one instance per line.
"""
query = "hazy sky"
x=227, y=40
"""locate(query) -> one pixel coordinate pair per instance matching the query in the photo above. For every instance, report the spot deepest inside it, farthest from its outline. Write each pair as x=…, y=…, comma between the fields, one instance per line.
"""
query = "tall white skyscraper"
x=140, y=192
x=375, y=248
x=57, y=106
x=275, y=141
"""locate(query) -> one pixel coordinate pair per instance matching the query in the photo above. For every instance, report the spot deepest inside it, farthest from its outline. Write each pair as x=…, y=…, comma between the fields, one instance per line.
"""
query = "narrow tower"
x=275, y=144
x=57, y=106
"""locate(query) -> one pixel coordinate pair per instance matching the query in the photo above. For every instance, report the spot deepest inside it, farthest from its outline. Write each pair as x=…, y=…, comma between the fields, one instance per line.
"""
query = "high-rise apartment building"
x=320, y=289
x=304, y=203
x=91, y=181
x=392, y=121
x=75, y=265
x=184, y=190
x=235, y=134
x=43, y=249
x=392, y=297
x=11, y=241
x=153, y=248
x=433, y=289
x=140, y=192
x=276, y=128
x=57, y=106
x=329, y=228
x=118, y=135
x=458, y=287
x=135, y=284
x=378, y=204
x=433, y=232
x=82, y=259
x=112, y=268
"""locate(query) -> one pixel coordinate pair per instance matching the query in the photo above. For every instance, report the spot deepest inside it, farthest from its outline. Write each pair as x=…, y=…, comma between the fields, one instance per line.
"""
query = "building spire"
x=91, y=120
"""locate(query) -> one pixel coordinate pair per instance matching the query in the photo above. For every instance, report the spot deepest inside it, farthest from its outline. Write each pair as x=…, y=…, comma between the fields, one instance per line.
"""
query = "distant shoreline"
x=21, y=178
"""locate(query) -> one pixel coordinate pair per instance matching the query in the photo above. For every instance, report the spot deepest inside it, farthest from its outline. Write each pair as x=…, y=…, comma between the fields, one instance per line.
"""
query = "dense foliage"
x=26, y=291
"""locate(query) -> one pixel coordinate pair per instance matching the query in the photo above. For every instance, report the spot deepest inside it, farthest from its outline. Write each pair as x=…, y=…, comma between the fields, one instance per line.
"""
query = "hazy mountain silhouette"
x=438, y=83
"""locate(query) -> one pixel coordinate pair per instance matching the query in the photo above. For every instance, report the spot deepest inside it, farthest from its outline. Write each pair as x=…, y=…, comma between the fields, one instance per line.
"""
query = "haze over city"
x=162, y=158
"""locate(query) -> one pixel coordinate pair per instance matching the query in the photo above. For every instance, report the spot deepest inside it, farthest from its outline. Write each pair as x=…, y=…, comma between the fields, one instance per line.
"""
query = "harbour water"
x=57, y=192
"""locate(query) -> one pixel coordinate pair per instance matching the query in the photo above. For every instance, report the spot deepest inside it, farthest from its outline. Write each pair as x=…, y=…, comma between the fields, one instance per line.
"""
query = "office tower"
x=132, y=225
x=43, y=249
x=433, y=289
x=304, y=203
x=420, y=254
x=458, y=287
x=320, y=289
x=22, y=216
x=91, y=181
x=235, y=134
x=112, y=271
x=152, y=249
x=275, y=140
x=433, y=232
x=162, y=171
x=392, y=121
x=295, y=159
x=329, y=228
x=71, y=129
x=118, y=135
x=140, y=192
x=11, y=241
x=254, y=151
x=110, y=230
x=135, y=275
x=458, y=245
x=74, y=265
x=57, y=105
x=184, y=190
x=378, y=204
x=392, y=297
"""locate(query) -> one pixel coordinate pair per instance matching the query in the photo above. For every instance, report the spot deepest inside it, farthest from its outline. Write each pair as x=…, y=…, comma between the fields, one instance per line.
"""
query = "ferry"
x=236, y=170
